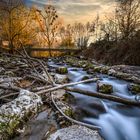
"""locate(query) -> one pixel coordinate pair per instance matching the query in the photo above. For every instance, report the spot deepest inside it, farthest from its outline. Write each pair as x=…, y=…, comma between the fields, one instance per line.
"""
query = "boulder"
x=75, y=132
x=62, y=70
x=14, y=112
x=134, y=88
x=60, y=79
x=104, y=88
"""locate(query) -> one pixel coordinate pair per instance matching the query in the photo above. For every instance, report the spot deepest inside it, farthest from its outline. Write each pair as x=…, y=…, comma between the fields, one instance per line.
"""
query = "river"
x=118, y=121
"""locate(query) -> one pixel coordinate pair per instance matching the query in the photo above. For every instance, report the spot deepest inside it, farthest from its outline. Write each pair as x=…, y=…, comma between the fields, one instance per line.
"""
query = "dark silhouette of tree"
x=48, y=23
x=128, y=17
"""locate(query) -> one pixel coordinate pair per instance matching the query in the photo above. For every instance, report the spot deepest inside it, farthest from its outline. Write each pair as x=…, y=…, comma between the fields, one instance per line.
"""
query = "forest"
x=69, y=70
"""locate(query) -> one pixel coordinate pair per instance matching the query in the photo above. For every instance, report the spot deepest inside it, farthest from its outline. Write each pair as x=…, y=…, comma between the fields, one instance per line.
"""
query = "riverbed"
x=118, y=121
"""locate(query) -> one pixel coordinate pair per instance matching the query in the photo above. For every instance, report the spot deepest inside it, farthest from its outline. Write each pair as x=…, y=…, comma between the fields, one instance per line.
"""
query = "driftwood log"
x=104, y=96
x=66, y=85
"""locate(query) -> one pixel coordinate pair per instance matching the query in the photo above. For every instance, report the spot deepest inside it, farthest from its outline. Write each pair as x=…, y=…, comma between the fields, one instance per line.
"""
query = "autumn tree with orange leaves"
x=15, y=23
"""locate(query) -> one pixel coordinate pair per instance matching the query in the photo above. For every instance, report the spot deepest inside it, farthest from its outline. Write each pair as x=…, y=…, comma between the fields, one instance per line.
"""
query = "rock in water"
x=134, y=88
x=75, y=132
x=60, y=79
x=104, y=88
x=62, y=70
x=12, y=113
x=111, y=72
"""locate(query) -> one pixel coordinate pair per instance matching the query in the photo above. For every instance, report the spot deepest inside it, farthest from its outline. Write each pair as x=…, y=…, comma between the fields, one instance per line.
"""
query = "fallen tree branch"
x=41, y=88
x=66, y=85
x=8, y=95
x=105, y=96
x=36, y=60
x=9, y=87
x=72, y=120
x=43, y=66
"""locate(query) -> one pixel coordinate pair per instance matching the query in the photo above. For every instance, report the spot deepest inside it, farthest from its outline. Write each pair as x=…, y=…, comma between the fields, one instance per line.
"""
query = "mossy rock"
x=86, y=77
x=90, y=66
x=8, y=129
x=67, y=97
x=62, y=70
x=104, y=88
x=97, y=69
x=134, y=88
x=83, y=64
x=104, y=70
x=69, y=112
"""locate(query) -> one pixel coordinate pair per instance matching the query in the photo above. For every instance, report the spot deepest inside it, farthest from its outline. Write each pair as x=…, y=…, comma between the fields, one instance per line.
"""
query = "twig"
x=72, y=120
x=45, y=70
x=41, y=88
x=11, y=94
x=10, y=87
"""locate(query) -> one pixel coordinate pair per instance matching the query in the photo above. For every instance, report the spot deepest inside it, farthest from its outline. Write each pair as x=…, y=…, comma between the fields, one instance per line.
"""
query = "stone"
x=12, y=113
x=86, y=77
x=1, y=70
x=134, y=88
x=105, y=69
x=75, y=132
x=69, y=98
x=60, y=79
x=62, y=70
x=97, y=69
x=104, y=88
x=111, y=72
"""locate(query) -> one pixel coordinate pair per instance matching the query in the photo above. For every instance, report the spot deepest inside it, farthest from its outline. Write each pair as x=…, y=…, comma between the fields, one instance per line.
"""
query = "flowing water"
x=118, y=121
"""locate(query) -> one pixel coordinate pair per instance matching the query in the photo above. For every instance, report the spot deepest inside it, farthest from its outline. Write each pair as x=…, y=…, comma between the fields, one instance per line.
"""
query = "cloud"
x=76, y=9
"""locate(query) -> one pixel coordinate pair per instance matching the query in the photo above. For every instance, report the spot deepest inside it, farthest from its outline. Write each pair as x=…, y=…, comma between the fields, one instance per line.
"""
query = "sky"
x=78, y=10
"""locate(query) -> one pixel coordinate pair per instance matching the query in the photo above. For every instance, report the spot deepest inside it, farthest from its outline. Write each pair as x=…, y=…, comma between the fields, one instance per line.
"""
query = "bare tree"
x=66, y=35
x=128, y=16
x=49, y=24
x=110, y=30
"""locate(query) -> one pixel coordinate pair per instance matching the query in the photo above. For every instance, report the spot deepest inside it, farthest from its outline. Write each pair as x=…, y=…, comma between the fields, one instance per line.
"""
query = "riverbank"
x=115, y=53
x=125, y=72
x=28, y=113
x=18, y=73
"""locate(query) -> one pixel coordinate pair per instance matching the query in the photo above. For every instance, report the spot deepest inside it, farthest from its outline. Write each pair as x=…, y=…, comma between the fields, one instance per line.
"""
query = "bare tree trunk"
x=105, y=96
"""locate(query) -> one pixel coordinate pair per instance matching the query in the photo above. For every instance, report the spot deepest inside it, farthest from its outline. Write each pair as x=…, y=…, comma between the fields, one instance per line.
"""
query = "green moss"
x=86, y=77
x=90, y=66
x=69, y=112
x=67, y=97
x=104, y=70
x=9, y=126
x=134, y=88
x=62, y=70
x=97, y=69
x=104, y=88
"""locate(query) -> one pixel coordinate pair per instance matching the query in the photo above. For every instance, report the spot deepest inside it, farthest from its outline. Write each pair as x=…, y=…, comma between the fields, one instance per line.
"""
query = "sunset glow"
x=78, y=10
